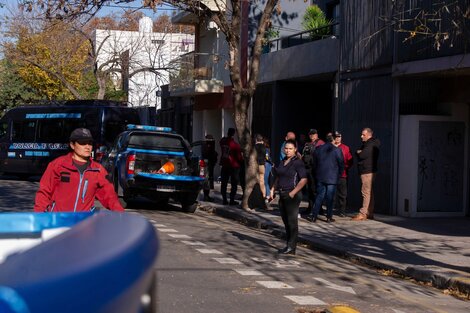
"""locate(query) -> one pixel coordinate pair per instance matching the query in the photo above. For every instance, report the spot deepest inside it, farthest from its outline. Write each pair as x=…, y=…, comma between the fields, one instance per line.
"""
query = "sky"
x=109, y=9
x=12, y=5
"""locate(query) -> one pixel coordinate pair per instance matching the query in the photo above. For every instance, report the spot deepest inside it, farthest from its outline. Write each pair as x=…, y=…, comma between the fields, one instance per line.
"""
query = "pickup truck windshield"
x=156, y=141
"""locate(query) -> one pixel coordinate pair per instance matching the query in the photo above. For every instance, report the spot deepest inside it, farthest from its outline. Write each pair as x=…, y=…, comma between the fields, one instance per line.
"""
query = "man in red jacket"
x=342, y=187
x=230, y=160
x=71, y=182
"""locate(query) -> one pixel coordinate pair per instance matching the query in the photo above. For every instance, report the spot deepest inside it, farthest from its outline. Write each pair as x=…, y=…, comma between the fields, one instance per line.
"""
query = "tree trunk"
x=101, y=80
x=242, y=102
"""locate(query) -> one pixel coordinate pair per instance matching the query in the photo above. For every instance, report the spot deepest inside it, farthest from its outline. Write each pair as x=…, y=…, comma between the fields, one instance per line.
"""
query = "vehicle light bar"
x=149, y=127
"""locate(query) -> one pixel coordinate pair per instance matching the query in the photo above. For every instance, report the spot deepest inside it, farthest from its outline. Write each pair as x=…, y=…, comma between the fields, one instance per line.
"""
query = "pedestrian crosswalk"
x=240, y=268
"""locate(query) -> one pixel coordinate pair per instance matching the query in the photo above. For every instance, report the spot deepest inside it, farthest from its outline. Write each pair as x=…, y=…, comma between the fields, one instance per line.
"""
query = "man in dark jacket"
x=307, y=157
x=367, y=156
x=328, y=166
x=209, y=154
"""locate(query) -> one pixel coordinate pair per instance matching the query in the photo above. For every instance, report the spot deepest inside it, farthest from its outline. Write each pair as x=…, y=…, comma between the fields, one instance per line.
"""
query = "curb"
x=438, y=277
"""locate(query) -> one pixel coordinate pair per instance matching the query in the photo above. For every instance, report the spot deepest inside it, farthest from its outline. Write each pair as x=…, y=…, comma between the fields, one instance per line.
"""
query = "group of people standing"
x=322, y=167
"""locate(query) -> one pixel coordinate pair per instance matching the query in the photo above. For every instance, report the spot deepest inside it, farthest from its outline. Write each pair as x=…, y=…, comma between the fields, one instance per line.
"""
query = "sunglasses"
x=85, y=142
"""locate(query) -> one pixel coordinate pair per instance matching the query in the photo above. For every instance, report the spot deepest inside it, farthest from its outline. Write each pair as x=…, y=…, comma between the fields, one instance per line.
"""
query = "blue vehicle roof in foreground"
x=108, y=268
x=149, y=127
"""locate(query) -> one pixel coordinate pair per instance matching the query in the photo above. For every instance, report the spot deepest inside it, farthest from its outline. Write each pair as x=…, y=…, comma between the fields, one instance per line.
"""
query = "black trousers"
x=310, y=190
x=341, y=194
x=210, y=184
x=289, y=208
x=229, y=173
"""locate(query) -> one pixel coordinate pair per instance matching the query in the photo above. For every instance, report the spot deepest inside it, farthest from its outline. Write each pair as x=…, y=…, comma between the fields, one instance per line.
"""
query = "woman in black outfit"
x=291, y=177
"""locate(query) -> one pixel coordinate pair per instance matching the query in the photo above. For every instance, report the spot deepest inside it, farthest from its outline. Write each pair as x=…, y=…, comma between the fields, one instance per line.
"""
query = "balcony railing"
x=303, y=37
x=194, y=66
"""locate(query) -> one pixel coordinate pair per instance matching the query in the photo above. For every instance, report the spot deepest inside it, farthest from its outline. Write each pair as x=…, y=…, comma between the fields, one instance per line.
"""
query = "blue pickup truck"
x=155, y=163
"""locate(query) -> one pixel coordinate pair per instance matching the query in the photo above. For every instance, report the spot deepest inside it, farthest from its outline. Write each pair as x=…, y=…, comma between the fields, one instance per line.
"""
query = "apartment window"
x=158, y=41
x=333, y=13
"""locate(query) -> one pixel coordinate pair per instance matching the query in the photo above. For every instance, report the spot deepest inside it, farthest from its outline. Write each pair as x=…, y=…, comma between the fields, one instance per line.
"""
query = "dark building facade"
x=370, y=72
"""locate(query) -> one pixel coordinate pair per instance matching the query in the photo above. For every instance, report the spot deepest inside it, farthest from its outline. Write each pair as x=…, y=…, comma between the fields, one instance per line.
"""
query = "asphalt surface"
x=429, y=250
x=191, y=277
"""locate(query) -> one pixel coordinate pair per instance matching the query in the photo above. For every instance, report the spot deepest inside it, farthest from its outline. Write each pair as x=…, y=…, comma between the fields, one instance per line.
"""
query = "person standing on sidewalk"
x=268, y=166
x=290, y=178
x=367, y=155
x=261, y=159
x=209, y=154
x=307, y=157
x=72, y=182
x=289, y=135
x=230, y=160
x=342, y=188
x=328, y=165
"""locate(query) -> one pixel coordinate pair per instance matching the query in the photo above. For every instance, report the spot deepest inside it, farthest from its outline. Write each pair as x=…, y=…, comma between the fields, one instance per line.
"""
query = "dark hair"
x=291, y=141
x=231, y=131
x=266, y=142
x=369, y=130
x=330, y=138
x=258, y=137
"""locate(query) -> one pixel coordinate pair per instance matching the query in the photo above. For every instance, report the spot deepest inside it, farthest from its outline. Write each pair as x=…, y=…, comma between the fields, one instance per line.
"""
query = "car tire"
x=161, y=203
x=189, y=207
x=127, y=196
x=116, y=183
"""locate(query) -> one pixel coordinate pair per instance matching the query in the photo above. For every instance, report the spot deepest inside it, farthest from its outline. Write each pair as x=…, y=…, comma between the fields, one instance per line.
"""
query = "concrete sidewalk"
x=435, y=250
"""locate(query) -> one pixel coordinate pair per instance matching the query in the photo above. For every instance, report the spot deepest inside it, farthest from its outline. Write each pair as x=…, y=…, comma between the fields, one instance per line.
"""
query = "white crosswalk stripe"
x=209, y=251
x=273, y=284
x=334, y=286
x=227, y=261
x=179, y=236
x=193, y=243
x=305, y=300
x=168, y=230
x=248, y=272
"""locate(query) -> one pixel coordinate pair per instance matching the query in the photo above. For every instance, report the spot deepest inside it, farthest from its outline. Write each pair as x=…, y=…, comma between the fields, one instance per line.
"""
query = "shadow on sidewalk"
x=444, y=226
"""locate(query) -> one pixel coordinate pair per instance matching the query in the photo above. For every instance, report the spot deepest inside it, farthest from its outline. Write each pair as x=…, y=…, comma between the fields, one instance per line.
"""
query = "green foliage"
x=116, y=95
x=315, y=19
x=88, y=86
x=271, y=33
x=14, y=90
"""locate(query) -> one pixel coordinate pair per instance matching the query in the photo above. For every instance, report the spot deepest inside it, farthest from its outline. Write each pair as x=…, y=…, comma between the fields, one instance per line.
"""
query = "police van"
x=32, y=136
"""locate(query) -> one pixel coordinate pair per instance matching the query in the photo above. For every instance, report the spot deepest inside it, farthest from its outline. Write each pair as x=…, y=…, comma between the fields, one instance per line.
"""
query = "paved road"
x=210, y=264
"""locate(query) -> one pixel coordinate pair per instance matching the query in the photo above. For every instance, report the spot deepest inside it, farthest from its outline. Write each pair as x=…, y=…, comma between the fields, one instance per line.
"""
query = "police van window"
x=112, y=129
x=3, y=129
x=70, y=125
x=24, y=131
x=116, y=120
x=51, y=130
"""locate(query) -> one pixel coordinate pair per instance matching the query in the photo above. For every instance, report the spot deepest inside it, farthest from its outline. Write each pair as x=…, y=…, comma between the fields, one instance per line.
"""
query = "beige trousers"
x=367, y=195
x=261, y=170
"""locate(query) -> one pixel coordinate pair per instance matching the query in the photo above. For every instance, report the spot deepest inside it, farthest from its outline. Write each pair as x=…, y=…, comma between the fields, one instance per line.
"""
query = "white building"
x=143, y=57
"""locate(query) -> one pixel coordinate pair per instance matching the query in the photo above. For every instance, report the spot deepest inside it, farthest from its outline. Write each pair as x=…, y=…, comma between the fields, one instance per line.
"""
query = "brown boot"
x=359, y=217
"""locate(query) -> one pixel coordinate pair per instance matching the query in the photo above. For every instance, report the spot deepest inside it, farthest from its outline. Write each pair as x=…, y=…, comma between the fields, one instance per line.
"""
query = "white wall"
x=146, y=50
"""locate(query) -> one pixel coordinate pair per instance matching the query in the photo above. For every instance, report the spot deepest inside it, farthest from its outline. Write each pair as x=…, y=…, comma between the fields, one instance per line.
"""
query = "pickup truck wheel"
x=189, y=207
x=116, y=183
x=126, y=196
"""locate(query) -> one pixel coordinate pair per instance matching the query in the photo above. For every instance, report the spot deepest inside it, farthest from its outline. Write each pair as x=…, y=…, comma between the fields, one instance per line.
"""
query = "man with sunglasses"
x=71, y=182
